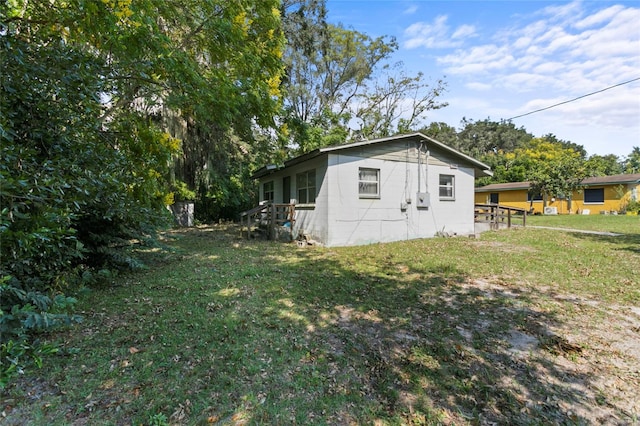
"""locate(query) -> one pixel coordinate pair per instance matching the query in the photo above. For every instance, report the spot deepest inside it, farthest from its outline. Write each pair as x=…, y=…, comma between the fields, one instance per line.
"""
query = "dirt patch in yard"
x=461, y=352
x=494, y=353
x=587, y=357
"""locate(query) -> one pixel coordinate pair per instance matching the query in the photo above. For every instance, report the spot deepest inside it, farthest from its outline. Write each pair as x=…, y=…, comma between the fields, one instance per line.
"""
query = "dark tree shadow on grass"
x=429, y=342
x=624, y=242
x=264, y=333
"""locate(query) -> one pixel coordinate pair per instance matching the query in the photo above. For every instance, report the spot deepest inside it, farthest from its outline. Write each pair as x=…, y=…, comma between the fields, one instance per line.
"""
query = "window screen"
x=369, y=183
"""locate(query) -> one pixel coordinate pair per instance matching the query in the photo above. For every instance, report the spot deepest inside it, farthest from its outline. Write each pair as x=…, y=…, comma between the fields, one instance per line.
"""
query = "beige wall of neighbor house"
x=597, y=195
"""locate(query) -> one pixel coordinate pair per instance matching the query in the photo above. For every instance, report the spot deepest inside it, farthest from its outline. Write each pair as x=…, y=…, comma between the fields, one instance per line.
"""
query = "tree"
x=506, y=167
x=87, y=91
x=396, y=103
x=337, y=76
x=74, y=189
x=604, y=165
x=478, y=138
x=550, y=137
x=551, y=169
x=326, y=68
x=442, y=132
x=631, y=163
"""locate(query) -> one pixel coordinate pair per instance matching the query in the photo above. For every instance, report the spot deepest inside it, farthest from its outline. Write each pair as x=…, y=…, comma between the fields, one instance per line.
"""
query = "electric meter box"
x=422, y=200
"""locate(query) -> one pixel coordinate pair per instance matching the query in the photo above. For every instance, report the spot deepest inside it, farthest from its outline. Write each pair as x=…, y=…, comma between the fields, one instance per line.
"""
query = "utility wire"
x=574, y=99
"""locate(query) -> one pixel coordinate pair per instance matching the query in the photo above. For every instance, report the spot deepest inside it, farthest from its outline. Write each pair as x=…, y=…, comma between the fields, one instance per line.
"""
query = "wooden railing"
x=497, y=215
x=268, y=216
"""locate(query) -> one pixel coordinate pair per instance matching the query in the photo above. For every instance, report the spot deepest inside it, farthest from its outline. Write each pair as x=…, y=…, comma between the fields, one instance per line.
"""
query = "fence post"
x=272, y=225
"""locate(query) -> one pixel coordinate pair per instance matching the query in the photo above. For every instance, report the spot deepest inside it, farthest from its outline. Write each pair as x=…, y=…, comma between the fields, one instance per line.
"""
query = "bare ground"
x=581, y=367
x=595, y=347
x=536, y=357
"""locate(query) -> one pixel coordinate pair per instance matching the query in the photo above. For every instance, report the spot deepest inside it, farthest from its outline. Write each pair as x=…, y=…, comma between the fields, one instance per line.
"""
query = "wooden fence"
x=268, y=216
x=497, y=215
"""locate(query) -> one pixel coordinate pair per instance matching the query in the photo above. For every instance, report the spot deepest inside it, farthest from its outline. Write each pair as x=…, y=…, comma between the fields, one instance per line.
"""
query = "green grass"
x=604, y=223
x=220, y=330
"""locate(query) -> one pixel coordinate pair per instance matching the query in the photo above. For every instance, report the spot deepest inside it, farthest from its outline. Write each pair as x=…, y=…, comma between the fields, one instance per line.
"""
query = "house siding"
x=513, y=198
x=616, y=195
x=310, y=219
x=340, y=216
x=356, y=221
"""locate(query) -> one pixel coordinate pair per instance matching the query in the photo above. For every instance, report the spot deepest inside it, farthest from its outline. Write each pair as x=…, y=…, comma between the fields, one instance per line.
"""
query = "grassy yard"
x=603, y=223
x=523, y=326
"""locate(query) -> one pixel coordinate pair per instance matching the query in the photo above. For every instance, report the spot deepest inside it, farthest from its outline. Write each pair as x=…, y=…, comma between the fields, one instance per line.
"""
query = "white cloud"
x=463, y=32
x=480, y=87
x=436, y=34
x=550, y=57
x=599, y=17
x=523, y=82
x=479, y=59
x=570, y=51
x=523, y=42
x=551, y=67
x=410, y=10
x=565, y=11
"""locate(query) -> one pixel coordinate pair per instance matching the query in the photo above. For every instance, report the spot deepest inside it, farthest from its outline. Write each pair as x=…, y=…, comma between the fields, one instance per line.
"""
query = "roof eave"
x=483, y=169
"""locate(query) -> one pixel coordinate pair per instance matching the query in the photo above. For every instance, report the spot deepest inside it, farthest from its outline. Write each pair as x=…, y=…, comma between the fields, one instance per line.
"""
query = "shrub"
x=76, y=191
x=633, y=206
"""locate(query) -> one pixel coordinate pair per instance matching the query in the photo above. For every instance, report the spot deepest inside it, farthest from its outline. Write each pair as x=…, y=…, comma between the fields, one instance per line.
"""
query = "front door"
x=286, y=189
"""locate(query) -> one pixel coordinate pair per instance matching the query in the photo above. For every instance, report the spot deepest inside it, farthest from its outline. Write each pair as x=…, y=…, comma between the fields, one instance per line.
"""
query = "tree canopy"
x=340, y=86
x=98, y=98
x=110, y=110
x=550, y=168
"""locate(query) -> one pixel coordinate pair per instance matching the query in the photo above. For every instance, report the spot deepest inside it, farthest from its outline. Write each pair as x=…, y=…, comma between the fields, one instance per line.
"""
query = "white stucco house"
x=396, y=188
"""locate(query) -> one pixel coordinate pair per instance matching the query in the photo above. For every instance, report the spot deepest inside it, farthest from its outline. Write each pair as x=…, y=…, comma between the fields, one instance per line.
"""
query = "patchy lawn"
x=526, y=326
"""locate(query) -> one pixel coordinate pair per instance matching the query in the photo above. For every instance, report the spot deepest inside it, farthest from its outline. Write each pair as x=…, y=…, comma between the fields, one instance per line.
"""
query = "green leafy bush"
x=76, y=191
x=633, y=206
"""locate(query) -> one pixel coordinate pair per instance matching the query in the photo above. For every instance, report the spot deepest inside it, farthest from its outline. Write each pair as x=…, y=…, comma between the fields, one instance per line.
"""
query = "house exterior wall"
x=511, y=198
x=311, y=218
x=355, y=220
x=613, y=201
x=615, y=198
x=343, y=214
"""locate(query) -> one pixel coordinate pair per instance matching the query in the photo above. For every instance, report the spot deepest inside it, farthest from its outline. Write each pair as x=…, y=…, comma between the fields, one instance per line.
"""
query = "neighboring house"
x=396, y=188
x=600, y=194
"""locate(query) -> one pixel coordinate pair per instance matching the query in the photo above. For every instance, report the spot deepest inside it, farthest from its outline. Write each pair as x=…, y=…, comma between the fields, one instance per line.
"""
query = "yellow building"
x=596, y=195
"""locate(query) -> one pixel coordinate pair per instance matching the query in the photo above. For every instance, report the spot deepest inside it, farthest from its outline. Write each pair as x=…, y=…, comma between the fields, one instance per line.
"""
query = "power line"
x=574, y=99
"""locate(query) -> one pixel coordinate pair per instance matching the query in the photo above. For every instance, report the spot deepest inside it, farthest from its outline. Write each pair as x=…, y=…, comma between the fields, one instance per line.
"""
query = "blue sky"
x=501, y=59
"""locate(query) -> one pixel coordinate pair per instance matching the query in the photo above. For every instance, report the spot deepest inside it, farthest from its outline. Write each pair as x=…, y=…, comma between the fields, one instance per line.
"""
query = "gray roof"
x=509, y=186
x=613, y=179
x=483, y=168
x=590, y=181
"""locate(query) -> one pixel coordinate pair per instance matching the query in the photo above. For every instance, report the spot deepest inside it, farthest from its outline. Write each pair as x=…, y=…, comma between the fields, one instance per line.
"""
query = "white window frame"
x=268, y=191
x=448, y=187
x=309, y=184
x=363, y=183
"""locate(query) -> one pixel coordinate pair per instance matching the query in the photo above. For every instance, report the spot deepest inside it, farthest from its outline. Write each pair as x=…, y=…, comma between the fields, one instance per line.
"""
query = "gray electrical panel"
x=422, y=200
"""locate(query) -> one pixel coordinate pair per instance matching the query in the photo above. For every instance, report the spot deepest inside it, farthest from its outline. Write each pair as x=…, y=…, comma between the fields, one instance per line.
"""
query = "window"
x=369, y=183
x=533, y=197
x=494, y=198
x=267, y=191
x=447, y=187
x=594, y=195
x=306, y=186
